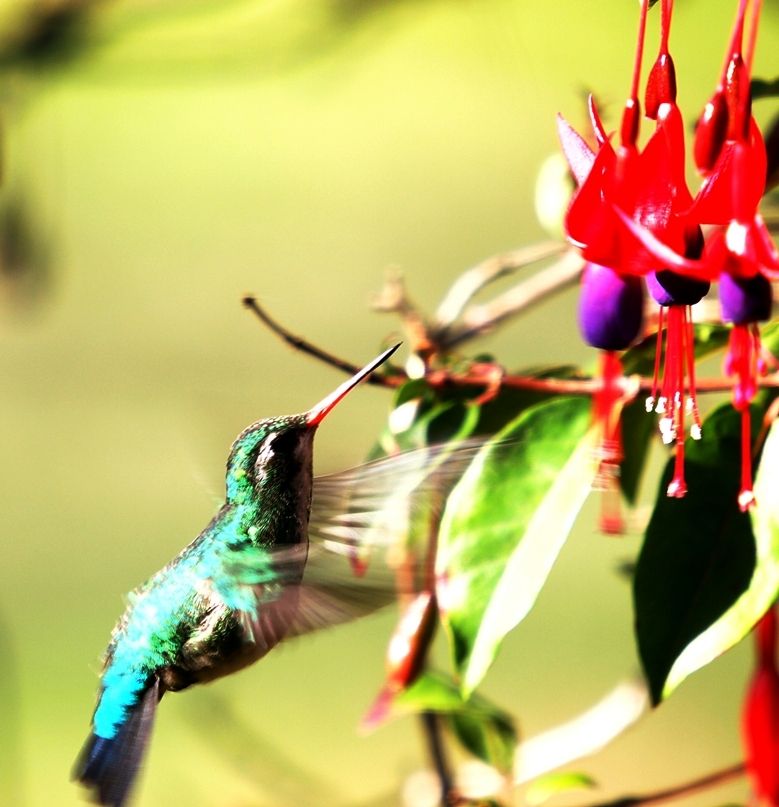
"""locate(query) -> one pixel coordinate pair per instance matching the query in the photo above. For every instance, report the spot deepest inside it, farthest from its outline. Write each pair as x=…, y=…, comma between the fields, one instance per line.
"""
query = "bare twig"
x=431, y=725
x=391, y=379
x=476, y=278
x=479, y=319
x=632, y=385
x=686, y=789
x=393, y=299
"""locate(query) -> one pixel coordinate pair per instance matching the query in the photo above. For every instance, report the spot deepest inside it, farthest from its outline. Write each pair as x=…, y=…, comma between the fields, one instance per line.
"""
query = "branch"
x=392, y=379
x=479, y=319
x=686, y=789
x=475, y=279
x=632, y=385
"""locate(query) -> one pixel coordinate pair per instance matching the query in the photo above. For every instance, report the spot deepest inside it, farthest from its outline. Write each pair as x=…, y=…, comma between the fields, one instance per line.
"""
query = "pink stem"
x=752, y=38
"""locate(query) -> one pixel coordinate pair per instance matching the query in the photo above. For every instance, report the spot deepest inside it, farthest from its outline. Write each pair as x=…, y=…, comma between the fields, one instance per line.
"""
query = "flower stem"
x=752, y=38
x=667, y=11
x=639, y=51
x=392, y=379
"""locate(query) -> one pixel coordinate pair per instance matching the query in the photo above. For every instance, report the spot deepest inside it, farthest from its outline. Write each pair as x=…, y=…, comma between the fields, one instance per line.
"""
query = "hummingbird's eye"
x=286, y=441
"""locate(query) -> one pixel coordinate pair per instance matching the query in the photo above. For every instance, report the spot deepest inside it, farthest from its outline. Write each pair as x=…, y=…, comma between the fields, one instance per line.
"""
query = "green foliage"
x=765, y=88
x=703, y=579
x=556, y=784
x=482, y=728
x=698, y=553
x=763, y=587
x=505, y=523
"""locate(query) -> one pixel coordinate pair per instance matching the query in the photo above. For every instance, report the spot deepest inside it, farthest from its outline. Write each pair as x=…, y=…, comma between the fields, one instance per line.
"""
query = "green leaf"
x=482, y=728
x=504, y=525
x=764, y=586
x=638, y=428
x=423, y=415
x=490, y=738
x=697, y=558
x=553, y=784
x=764, y=88
x=695, y=592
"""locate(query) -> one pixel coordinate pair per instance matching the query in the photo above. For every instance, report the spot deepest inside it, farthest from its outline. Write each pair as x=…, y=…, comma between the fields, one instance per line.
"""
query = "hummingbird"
x=237, y=590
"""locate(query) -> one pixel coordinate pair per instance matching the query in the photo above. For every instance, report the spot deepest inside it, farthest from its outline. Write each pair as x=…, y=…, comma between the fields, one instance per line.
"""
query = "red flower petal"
x=579, y=155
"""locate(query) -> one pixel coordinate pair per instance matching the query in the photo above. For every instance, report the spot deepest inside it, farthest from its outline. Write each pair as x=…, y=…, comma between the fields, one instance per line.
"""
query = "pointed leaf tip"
x=696, y=563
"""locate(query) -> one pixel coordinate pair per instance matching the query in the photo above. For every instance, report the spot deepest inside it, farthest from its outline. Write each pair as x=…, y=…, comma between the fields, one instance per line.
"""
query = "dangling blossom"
x=649, y=189
x=674, y=398
x=612, y=301
x=730, y=151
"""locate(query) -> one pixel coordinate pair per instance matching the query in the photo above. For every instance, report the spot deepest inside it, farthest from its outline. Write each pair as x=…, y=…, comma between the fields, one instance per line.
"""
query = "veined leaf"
x=697, y=559
x=504, y=525
x=764, y=586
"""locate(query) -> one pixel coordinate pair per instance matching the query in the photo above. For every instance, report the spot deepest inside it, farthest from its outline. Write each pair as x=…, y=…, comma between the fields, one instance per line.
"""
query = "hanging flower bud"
x=710, y=132
x=738, y=98
x=661, y=84
x=406, y=654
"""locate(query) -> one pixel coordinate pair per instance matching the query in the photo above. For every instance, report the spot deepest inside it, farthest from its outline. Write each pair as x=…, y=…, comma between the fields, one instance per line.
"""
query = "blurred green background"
x=165, y=158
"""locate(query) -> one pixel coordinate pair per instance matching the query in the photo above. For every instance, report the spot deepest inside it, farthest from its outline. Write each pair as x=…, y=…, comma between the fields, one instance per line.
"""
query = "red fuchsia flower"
x=739, y=252
x=649, y=189
x=674, y=399
x=760, y=718
x=642, y=184
x=611, y=308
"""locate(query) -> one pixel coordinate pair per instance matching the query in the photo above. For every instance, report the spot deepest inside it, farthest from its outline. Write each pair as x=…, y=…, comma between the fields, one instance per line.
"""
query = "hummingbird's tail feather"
x=108, y=766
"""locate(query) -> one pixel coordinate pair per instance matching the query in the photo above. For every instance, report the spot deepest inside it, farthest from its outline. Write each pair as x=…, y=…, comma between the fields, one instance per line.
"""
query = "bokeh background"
x=161, y=159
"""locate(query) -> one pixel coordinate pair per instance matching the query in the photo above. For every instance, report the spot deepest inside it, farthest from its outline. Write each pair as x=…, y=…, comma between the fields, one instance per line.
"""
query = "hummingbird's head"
x=277, y=452
x=270, y=449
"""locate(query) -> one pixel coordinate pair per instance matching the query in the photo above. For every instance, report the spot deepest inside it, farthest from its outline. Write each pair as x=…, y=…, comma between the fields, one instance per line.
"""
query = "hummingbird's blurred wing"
x=374, y=505
x=370, y=532
x=369, y=541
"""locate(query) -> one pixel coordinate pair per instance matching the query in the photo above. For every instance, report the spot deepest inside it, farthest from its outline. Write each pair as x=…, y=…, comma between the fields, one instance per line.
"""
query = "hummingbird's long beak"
x=317, y=413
